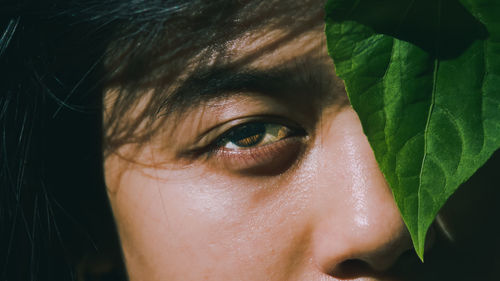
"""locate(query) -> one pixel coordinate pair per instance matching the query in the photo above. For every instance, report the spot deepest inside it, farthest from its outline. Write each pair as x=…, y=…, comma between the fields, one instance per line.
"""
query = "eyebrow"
x=203, y=85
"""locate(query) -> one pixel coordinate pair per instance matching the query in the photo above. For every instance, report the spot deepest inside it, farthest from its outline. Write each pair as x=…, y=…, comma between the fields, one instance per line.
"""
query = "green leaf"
x=424, y=78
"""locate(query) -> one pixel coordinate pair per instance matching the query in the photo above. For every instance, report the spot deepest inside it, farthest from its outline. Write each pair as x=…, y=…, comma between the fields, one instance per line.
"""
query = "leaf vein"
x=426, y=131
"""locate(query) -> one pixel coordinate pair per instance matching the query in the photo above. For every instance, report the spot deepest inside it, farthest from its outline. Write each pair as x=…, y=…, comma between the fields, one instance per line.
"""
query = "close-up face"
x=253, y=140
x=260, y=172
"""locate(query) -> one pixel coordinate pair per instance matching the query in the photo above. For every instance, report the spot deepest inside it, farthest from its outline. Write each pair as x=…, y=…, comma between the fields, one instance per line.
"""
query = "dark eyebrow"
x=301, y=80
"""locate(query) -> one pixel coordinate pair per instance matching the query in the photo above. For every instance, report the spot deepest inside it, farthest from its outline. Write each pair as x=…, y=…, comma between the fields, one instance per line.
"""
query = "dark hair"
x=52, y=195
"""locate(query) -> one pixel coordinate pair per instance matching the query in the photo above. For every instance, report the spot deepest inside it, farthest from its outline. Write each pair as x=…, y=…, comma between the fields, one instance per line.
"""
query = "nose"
x=357, y=225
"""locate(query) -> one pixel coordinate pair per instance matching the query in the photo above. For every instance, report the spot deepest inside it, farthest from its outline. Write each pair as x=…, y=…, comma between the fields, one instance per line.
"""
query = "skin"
x=307, y=207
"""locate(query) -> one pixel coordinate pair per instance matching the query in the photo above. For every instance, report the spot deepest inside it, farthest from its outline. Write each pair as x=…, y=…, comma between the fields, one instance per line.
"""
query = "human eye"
x=254, y=134
x=257, y=147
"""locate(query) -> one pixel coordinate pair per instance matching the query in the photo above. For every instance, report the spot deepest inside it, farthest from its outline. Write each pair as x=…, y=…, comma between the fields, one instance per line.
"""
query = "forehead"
x=274, y=34
x=257, y=34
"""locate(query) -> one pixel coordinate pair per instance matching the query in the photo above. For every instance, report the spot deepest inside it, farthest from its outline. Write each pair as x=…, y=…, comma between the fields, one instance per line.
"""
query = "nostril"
x=351, y=269
x=407, y=267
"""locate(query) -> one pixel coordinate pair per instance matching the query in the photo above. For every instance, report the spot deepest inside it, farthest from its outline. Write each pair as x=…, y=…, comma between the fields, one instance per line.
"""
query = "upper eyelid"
x=250, y=122
x=233, y=124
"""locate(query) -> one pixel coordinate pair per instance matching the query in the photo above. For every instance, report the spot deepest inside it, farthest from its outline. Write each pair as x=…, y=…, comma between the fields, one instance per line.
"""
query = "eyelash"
x=268, y=148
x=253, y=134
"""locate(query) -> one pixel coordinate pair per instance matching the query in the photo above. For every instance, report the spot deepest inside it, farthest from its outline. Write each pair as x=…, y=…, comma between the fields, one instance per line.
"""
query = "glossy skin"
x=309, y=206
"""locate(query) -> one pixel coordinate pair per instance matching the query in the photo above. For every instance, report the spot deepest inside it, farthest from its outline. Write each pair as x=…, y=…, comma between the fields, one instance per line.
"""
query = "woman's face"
x=272, y=181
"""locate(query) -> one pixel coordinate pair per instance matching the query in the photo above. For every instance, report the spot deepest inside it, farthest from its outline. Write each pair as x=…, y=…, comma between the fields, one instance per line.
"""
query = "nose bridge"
x=360, y=182
x=357, y=216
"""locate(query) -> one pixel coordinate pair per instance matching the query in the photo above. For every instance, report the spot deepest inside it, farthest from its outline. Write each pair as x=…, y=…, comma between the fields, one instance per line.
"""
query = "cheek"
x=209, y=226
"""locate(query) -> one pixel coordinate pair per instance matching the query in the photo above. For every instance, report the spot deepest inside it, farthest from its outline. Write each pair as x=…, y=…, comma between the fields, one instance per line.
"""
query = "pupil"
x=248, y=135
